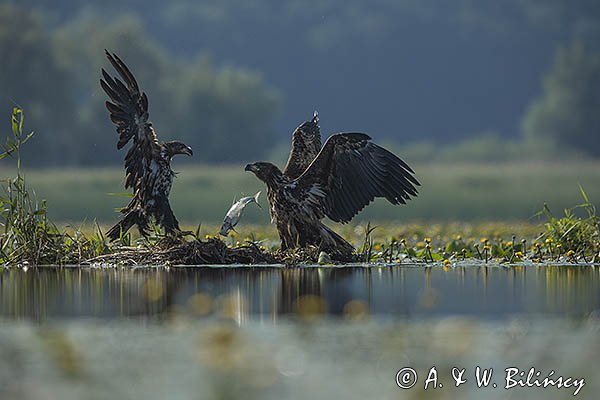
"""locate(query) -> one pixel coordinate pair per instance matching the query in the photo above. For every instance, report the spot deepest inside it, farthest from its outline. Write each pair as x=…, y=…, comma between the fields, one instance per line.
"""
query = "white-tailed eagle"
x=148, y=161
x=348, y=173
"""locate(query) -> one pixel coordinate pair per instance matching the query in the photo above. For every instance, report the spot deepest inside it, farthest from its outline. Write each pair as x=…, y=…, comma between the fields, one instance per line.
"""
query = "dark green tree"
x=567, y=114
x=32, y=78
x=225, y=113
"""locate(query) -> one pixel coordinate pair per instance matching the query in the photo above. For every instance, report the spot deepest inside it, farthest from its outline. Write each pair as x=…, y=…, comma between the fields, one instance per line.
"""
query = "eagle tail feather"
x=333, y=242
x=129, y=219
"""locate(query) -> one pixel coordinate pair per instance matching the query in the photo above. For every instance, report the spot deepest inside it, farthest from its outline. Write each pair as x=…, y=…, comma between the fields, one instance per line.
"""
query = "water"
x=265, y=293
x=298, y=333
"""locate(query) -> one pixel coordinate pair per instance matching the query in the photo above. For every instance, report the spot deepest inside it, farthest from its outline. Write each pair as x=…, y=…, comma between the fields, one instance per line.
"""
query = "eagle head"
x=310, y=130
x=264, y=171
x=176, y=147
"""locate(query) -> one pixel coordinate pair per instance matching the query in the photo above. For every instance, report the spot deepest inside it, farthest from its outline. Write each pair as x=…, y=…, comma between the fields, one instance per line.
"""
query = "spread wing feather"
x=128, y=108
x=349, y=172
x=306, y=144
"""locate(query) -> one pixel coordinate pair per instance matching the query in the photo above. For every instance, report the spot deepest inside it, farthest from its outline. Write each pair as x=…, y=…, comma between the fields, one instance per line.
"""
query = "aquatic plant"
x=26, y=229
x=573, y=234
x=27, y=235
x=366, y=252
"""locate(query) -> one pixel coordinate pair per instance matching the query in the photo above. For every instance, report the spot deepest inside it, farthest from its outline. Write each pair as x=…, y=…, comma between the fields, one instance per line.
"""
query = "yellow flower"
x=458, y=237
x=519, y=254
x=484, y=240
x=549, y=240
x=509, y=243
x=420, y=244
x=570, y=253
x=208, y=237
x=446, y=262
x=427, y=240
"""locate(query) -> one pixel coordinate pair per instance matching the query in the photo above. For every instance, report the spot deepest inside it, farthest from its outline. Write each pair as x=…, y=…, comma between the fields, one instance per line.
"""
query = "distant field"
x=449, y=192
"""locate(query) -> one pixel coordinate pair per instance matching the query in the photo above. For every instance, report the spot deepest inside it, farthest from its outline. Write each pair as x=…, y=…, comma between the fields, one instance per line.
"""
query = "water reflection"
x=268, y=293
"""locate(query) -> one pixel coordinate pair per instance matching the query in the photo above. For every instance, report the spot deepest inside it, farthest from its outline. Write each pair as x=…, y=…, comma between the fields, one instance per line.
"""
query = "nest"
x=313, y=255
x=181, y=252
x=171, y=251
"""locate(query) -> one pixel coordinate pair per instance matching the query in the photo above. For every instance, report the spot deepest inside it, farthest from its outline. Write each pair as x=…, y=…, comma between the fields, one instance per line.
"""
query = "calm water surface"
x=270, y=292
x=295, y=333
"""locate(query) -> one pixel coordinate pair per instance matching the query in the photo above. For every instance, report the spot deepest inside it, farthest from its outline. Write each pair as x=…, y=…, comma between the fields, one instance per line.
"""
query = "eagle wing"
x=349, y=172
x=306, y=143
x=128, y=110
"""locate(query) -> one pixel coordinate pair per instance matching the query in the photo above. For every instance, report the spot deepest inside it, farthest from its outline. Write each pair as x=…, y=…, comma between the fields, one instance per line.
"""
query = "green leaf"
x=455, y=246
x=17, y=121
x=411, y=252
x=583, y=194
x=27, y=138
x=498, y=251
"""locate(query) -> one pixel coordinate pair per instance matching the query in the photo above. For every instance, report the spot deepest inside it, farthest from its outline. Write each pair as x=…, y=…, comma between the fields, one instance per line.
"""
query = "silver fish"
x=235, y=213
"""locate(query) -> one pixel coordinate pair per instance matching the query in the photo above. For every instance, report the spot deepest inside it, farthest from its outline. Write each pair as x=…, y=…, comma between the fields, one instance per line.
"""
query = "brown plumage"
x=306, y=144
x=148, y=161
x=348, y=173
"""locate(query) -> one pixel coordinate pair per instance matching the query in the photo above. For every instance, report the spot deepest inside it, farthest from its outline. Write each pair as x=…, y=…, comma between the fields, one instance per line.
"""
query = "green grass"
x=450, y=192
x=26, y=234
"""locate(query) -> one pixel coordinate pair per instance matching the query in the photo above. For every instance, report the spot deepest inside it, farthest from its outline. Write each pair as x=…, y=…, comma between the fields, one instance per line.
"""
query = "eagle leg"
x=166, y=218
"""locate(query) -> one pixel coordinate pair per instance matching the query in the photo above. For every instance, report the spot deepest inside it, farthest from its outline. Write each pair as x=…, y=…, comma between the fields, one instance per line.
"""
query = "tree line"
x=233, y=77
x=225, y=113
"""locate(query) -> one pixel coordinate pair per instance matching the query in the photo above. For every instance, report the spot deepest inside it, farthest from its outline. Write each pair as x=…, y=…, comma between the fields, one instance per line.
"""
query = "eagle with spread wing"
x=148, y=161
x=347, y=174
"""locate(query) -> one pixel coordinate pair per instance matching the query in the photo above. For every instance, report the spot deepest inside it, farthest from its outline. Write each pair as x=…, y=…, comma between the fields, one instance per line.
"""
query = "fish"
x=235, y=213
